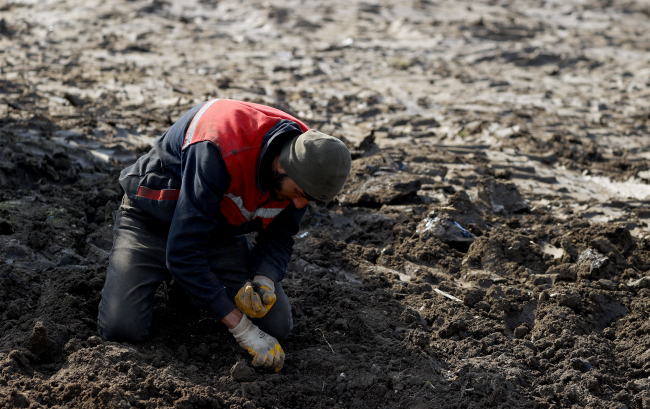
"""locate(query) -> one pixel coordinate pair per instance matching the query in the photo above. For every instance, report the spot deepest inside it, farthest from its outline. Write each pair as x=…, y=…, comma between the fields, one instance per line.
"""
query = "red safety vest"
x=238, y=128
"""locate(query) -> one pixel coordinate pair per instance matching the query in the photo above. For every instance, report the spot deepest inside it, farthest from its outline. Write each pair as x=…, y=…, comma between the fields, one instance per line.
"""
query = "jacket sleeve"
x=204, y=182
x=274, y=245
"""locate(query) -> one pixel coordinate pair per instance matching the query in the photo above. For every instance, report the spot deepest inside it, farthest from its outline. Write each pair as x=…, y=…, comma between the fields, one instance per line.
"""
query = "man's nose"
x=300, y=202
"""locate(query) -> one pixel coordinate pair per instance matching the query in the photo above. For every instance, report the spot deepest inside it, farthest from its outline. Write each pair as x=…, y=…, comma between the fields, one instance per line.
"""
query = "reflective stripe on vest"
x=164, y=194
x=195, y=121
x=263, y=212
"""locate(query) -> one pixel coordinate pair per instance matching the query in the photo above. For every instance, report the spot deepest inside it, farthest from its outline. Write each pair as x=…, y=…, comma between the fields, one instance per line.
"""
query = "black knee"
x=121, y=333
x=282, y=328
x=120, y=326
x=278, y=322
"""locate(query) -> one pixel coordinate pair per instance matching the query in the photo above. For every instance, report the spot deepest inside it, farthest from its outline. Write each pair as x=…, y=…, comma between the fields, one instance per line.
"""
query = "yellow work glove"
x=265, y=349
x=256, y=297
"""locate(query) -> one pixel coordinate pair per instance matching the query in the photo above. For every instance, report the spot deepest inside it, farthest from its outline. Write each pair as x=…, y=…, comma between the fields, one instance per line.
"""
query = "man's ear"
x=275, y=165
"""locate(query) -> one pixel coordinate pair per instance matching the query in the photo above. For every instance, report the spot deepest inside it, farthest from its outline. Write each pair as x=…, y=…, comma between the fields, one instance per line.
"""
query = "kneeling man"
x=226, y=168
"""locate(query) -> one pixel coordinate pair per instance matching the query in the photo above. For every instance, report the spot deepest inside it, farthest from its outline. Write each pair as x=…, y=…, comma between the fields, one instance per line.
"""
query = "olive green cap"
x=318, y=163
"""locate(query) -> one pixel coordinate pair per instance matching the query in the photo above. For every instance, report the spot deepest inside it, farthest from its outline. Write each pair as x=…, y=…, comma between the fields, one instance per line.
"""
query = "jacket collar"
x=282, y=132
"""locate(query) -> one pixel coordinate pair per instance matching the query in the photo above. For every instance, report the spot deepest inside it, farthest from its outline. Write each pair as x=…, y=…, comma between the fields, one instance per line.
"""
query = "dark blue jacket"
x=189, y=184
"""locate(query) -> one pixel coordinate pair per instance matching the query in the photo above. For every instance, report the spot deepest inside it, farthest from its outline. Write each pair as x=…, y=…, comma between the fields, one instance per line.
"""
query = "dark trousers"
x=137, y=267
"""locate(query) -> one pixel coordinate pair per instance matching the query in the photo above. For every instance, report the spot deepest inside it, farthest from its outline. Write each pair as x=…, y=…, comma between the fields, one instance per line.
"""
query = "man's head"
x=317, y=166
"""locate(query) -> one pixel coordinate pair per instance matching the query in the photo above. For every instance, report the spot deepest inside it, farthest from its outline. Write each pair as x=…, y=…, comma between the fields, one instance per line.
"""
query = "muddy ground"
x=490, y=248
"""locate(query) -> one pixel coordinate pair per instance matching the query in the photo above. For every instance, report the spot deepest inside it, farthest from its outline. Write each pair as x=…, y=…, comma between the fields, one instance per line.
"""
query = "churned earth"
x=490, y=248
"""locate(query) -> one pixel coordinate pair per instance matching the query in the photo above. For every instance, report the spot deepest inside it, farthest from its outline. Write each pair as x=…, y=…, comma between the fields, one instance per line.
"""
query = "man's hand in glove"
x=265, y=349
x=256, y=298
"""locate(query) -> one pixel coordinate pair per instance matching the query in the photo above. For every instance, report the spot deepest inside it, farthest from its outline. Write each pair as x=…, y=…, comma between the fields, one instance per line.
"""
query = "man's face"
x=284, y=188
